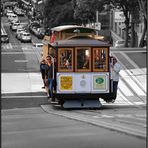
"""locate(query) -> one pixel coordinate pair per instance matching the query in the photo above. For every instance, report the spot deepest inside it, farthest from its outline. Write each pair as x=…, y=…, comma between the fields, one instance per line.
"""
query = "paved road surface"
x=34, y=128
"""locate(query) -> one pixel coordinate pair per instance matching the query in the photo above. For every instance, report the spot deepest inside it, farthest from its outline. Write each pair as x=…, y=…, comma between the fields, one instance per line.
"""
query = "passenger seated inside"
x=83, y=59
x=86, y=63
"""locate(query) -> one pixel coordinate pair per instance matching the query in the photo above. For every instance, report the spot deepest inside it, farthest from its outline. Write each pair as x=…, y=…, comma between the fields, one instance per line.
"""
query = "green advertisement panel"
x=99, y=82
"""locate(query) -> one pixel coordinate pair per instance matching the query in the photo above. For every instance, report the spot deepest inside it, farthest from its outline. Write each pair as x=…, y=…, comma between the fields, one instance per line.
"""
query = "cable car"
x=82, y=72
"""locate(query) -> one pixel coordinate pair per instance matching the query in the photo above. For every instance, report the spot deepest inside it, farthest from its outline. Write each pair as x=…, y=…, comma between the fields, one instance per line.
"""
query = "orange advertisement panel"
x=66, y=83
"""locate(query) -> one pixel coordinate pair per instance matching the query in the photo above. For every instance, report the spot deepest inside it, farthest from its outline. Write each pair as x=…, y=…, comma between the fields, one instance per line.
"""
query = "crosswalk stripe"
x=130, y=61
x=124, y=88
x=7, y=46
x=136, y=88
x=130, y=78
x=121, y=97
x=10, y=45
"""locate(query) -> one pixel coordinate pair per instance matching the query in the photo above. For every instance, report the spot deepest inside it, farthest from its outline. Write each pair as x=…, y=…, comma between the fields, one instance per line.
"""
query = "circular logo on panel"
x=99, y=80
x=83, y=83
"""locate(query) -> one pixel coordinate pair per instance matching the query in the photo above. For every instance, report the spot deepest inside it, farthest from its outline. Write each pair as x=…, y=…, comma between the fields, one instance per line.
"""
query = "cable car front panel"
x=82, y=71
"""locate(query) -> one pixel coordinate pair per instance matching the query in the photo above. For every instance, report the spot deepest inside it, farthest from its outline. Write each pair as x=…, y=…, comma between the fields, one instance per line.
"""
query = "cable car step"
x=82, y=104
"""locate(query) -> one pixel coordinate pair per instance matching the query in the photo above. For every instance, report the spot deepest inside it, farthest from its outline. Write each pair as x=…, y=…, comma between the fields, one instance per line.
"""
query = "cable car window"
x=83, y=59
x=100, y=60
x=65, y=60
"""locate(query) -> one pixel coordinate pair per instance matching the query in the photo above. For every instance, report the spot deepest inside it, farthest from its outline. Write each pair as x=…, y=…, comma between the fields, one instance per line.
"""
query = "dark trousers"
x=115, y=87
x=50, y=87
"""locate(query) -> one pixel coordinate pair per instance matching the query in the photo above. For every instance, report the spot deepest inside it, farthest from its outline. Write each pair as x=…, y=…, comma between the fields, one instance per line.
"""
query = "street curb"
x=114, y=127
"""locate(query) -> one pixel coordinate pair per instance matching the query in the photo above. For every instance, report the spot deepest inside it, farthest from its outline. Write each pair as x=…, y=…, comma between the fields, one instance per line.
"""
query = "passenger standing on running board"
x=116, y=67
x=49, y=77
x=42, y=70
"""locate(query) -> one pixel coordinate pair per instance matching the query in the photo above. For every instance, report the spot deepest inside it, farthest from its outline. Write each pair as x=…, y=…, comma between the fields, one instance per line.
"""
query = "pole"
x=97, y=14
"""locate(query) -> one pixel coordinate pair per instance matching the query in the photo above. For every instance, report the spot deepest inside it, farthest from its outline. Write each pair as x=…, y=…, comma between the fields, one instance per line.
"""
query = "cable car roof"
x=67, y=27
x=80, y=42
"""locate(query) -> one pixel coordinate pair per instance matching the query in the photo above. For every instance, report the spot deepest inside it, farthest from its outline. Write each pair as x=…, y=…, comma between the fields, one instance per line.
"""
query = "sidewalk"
x=22, y=90
x=21, y=83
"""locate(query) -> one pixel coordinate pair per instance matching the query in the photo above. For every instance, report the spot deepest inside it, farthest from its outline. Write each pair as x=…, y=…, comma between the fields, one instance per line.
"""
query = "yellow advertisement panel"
x=66, y=83
x=99, y=82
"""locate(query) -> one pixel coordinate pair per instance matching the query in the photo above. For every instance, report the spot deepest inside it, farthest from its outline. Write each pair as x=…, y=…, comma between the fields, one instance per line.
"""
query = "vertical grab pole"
x=111, y=73
x=53, y=65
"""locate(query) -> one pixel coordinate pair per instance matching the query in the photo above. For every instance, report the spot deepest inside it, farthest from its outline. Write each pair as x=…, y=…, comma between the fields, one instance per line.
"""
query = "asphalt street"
x=34, y=128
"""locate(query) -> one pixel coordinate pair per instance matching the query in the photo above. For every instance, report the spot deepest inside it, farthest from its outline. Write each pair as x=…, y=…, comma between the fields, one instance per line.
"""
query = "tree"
x=127, y=6
x=58, y=13
x=85, y=10
x=143, y=11
x=134, y=20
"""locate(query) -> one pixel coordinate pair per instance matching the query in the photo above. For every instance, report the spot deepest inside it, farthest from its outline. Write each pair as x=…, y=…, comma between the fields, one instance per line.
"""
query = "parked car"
x=34, y=29
x=13, y=17
x=19, y=12
x=40, y=33
x=120, y=43
x=32, y=25
x=1, y=13
x=19, y=31
x=12, y=22
x=4, y=36
x=25, y=37
x=15, y=26
x=8, y=12
x=15, y=9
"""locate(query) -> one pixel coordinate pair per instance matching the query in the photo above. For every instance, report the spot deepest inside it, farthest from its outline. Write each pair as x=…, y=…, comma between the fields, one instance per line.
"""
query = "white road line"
x=23, y=61
x=24, y=96
x=19, y=52
x=26, y=49
x=107, y=116
x=129, y=51
x=139, y=103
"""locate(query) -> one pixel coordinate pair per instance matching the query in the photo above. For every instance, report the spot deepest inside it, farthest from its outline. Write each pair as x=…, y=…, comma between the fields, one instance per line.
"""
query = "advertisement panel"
x=100, y=83
x=65, y=82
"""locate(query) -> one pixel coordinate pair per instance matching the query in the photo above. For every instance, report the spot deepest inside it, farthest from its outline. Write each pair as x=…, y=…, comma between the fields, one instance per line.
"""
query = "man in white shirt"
x=116, y=67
